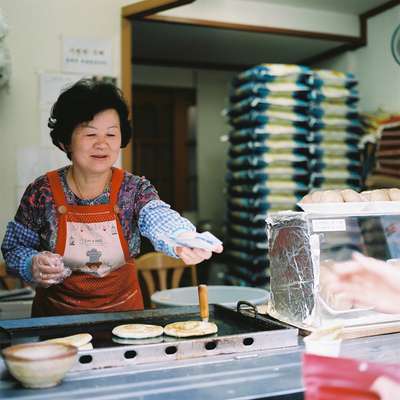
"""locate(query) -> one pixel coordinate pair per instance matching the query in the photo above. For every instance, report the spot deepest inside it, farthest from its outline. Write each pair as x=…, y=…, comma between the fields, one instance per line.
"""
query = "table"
x=217, y=294
x=15, y=309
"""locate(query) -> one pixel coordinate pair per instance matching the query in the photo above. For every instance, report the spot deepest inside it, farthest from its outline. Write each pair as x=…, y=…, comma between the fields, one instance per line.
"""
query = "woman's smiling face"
x=95, y=145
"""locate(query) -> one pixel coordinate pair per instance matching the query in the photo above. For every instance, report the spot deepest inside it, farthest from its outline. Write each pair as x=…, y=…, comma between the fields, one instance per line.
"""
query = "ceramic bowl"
x=39, y=365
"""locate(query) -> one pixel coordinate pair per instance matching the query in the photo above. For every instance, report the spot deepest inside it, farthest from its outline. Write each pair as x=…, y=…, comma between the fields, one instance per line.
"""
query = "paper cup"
x=323, y=347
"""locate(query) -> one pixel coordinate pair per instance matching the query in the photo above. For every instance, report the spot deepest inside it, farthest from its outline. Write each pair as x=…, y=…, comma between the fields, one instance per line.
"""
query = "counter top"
x=272, y=374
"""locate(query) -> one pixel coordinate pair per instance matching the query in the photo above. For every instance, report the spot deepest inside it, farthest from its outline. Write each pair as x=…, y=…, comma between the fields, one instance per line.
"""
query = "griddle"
x=238, y=331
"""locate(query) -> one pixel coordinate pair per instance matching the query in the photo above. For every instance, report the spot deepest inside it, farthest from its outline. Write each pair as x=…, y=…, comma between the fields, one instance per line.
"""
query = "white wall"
x=374, y=66
x=34, y=41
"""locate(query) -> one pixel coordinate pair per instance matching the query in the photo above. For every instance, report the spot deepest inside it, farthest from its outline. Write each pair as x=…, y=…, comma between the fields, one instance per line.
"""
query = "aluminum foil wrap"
x=291, y=267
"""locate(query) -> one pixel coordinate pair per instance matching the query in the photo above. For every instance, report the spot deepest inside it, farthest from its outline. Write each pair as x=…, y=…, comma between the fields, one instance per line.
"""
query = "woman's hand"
x=194, y=256
x=368, y=282
x=48, y=269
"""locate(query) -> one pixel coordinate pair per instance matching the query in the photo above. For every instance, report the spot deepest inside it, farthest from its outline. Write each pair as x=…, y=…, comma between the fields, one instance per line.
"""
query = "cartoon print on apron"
x=91, y=241
x=97, y=244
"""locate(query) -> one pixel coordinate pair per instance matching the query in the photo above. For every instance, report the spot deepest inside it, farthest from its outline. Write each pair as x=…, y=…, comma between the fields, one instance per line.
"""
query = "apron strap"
x=61, y=206
x=58, y=191
x=116, y=181
x=56, y=188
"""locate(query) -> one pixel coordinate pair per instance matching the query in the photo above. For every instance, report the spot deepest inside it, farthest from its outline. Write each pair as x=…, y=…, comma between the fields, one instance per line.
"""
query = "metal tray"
x=237, y=332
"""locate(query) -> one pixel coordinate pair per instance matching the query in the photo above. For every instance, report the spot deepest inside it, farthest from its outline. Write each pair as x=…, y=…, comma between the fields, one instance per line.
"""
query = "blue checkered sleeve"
x=157, y=219
x=19, y=245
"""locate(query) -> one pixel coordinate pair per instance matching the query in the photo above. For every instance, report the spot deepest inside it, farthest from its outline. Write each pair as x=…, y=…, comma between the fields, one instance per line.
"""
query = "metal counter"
x=272, y=374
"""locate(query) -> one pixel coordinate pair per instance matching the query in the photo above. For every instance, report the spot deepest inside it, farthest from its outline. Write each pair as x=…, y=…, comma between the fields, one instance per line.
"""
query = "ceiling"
x=342, y=6
x=161, y=43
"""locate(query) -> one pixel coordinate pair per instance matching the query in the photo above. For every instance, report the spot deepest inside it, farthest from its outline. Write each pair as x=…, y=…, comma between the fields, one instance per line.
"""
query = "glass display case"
x=303, y=247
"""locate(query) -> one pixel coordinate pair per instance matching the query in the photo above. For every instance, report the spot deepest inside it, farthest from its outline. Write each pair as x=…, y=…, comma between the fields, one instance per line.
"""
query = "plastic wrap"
x=292, y=275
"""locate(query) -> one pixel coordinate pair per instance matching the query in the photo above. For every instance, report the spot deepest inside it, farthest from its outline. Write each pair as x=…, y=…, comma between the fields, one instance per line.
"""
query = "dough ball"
x=394, y=194
x=331, y=196
x=306, y=199
x=350, y=195
x=379, y=195
x=366, y=195
x=316, y=196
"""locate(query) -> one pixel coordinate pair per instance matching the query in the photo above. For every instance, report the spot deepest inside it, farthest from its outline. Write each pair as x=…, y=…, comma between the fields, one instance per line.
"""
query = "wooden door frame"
x=128, y=14
x=182, y=99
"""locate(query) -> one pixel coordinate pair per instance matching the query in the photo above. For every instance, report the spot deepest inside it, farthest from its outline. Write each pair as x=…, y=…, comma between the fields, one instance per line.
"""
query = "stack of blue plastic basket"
x=336, y=130
x=269, y=161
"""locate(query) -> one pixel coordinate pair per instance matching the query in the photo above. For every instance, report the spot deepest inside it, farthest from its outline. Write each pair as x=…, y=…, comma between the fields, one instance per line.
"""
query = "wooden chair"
x=158, y=264
x=7, y=281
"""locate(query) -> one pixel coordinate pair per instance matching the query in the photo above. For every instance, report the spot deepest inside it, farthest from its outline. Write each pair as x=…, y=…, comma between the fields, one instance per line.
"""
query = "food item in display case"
x=376, y=195
x=331, y=196
x=138, y=331
x=394, y=194
x=350, y=195
x=190, y=328
x=323, y=196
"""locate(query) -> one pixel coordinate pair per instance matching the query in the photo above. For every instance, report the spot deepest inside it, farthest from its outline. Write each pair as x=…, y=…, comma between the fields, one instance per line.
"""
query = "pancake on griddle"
x=152, y=340
x=77, y=340
x=137, y=331
x=190, y=328
x=87, y=346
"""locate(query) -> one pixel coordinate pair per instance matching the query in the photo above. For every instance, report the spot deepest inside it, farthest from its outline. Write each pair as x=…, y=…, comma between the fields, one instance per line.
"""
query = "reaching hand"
x=386, y=388
x=48, y=269
x=194, y=256
x=368, y=282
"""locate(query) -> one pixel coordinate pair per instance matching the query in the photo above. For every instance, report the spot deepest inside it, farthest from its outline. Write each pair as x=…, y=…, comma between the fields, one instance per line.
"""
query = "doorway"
x=164, y=143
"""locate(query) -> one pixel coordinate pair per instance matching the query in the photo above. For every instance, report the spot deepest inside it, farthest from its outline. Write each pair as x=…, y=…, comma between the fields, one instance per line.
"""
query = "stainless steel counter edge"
x=251, y=375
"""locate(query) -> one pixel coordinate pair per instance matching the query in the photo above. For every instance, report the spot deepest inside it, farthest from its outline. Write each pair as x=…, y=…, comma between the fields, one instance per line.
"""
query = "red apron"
x=113, y=285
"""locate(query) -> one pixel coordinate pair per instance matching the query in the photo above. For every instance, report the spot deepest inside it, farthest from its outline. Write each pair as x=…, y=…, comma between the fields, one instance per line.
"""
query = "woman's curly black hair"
x=80, y=103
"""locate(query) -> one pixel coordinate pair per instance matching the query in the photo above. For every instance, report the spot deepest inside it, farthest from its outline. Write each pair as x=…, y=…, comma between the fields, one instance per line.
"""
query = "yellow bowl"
x=39, y=365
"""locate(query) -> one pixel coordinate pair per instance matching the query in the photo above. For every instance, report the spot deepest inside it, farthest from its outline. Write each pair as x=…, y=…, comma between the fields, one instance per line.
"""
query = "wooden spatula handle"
x=203, y=301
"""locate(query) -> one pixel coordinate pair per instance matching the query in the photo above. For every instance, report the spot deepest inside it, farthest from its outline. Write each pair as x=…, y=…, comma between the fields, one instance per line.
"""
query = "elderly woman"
x=87, y=217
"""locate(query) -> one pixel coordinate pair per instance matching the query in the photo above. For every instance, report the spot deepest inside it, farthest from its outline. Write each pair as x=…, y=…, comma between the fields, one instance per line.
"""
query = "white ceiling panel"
x=343, y=6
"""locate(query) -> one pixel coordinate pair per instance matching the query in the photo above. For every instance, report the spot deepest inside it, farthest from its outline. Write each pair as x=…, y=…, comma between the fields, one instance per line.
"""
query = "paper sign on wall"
x=34, y=161
x=87, y=55
x=51, y=85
